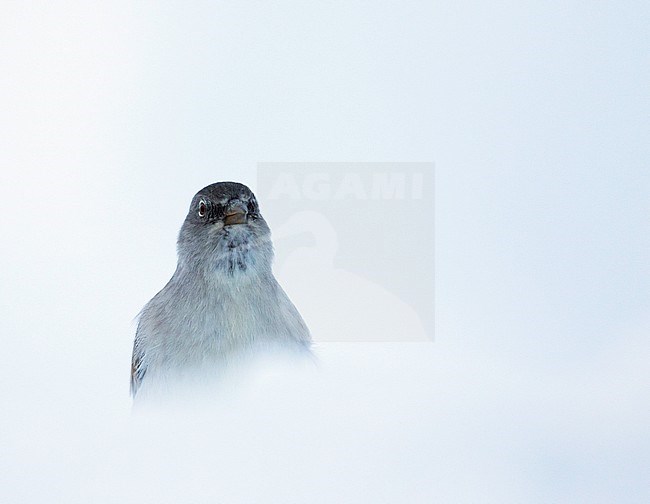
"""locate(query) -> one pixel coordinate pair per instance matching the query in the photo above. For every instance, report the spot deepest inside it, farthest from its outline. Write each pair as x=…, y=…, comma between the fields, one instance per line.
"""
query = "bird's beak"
x=235, y=214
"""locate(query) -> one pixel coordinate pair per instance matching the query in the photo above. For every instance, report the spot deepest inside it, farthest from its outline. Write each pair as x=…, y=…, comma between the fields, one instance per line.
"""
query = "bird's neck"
x=224, y=275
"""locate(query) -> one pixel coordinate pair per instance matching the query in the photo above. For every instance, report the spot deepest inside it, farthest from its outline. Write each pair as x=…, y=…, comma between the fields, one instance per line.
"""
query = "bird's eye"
x=203, y=208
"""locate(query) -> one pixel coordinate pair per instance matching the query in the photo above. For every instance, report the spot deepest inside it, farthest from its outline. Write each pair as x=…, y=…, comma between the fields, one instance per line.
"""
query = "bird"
x=223, y=303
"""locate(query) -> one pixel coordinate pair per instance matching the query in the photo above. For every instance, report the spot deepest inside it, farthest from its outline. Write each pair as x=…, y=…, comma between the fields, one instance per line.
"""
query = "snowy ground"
x=373, y=423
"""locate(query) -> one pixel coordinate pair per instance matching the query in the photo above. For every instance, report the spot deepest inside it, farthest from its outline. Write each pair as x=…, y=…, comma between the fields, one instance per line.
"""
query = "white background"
x=536, y=115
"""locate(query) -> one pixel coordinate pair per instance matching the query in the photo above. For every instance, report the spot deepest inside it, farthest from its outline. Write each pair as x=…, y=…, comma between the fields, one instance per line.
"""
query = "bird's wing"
x=138, y=367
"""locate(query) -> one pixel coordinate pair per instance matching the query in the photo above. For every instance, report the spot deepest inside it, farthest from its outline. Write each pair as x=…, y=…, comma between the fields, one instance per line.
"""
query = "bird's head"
x=224, y=232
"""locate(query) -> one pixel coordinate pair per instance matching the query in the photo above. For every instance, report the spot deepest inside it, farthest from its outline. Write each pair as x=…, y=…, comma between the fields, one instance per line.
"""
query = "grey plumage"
x=223, y=302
